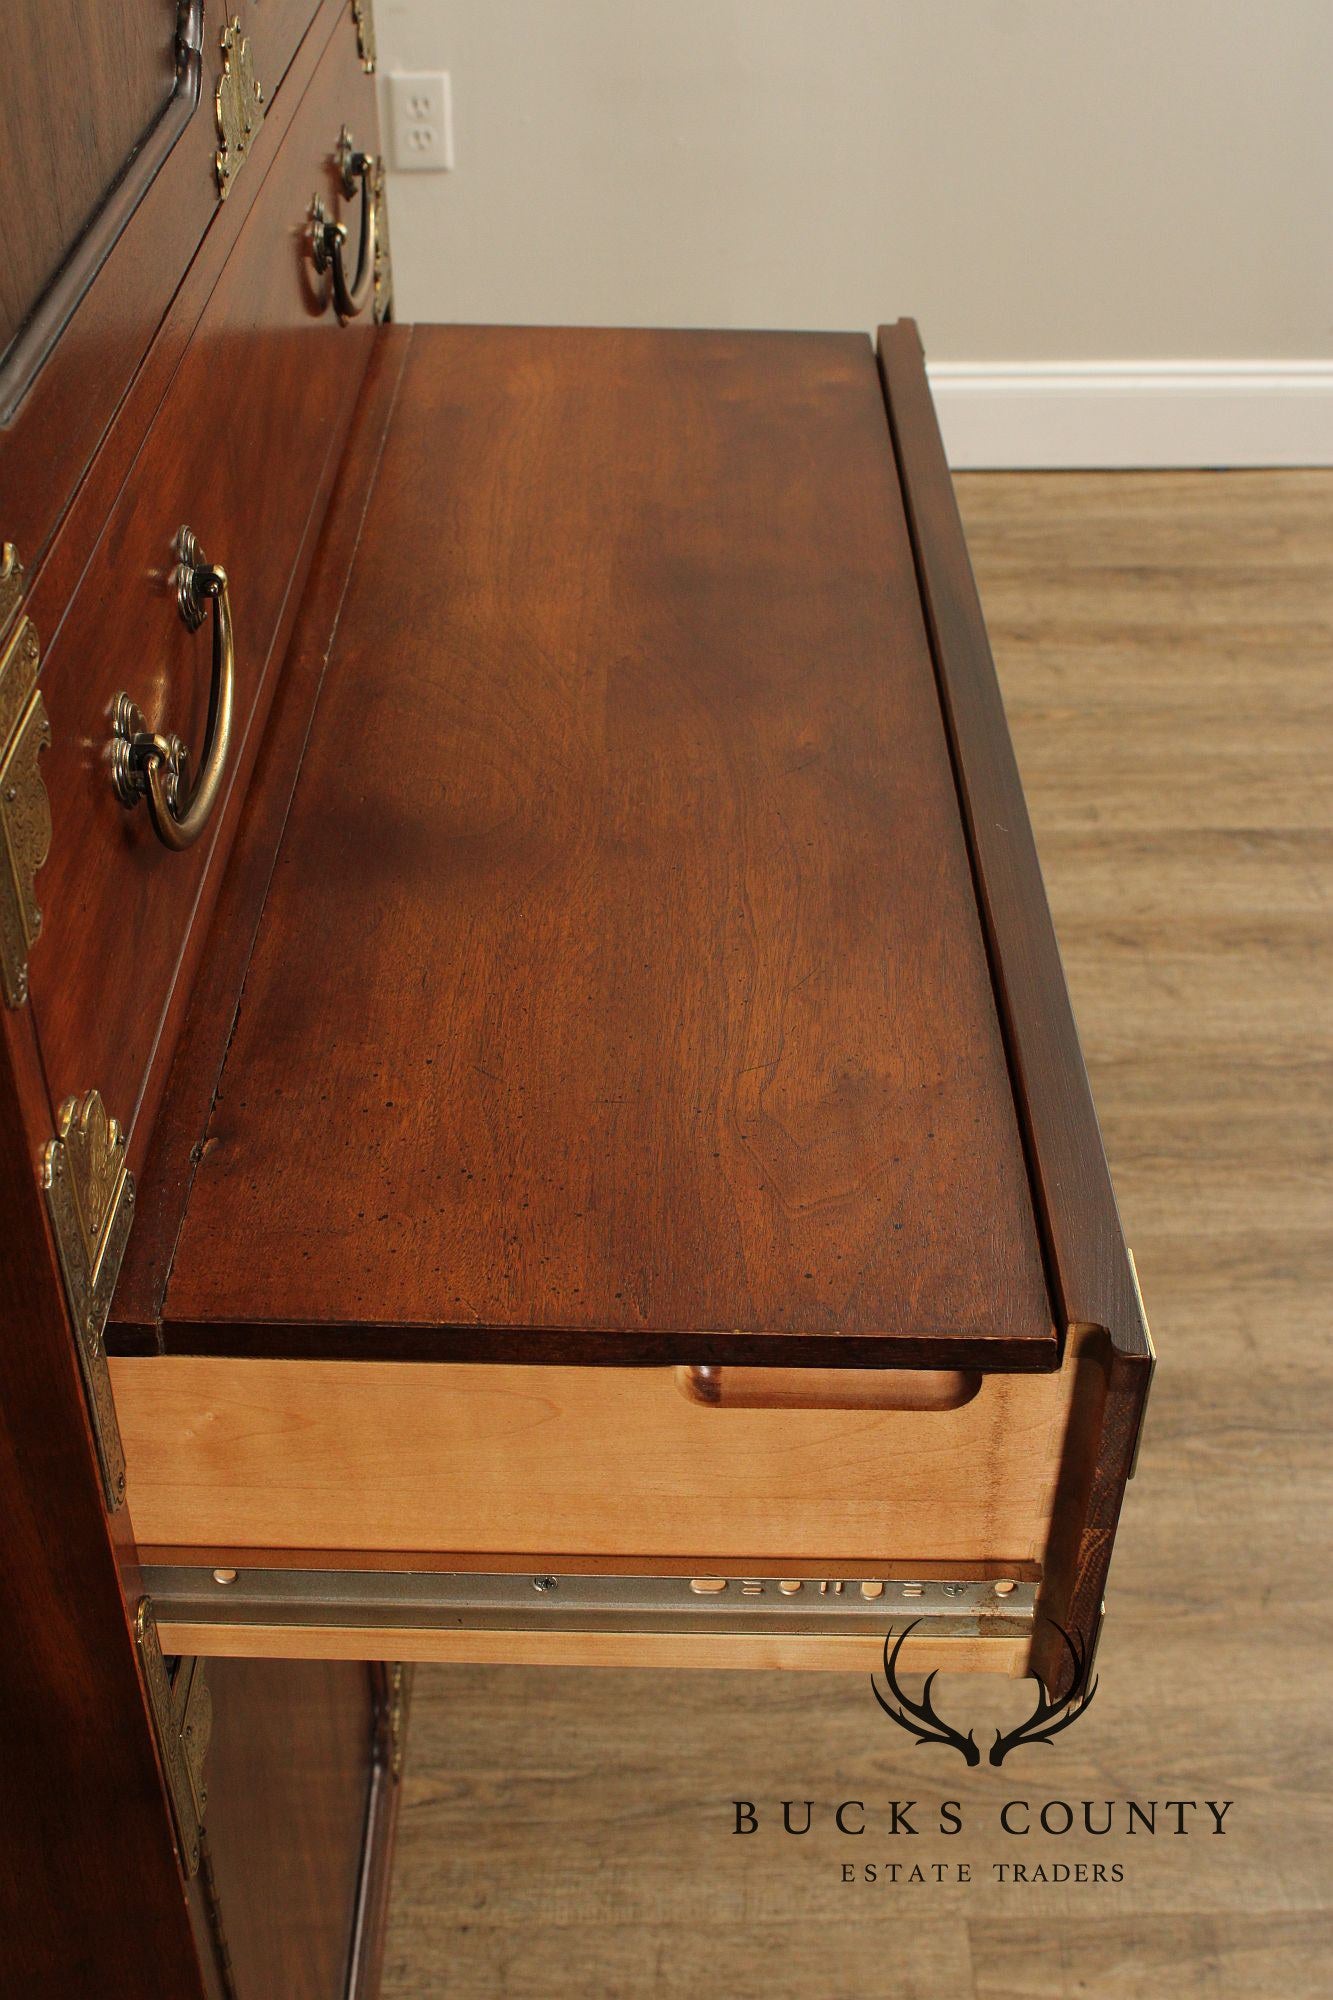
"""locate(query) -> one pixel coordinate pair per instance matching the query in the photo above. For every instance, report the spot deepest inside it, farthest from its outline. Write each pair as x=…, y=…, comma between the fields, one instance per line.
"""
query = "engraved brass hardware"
x=148, y=765
x=182, y=1710
x=365, y=34
x=383, y=253
x=25, y=811
x=90, y=1199
x=240, y=106
x=329, y=236
x=11, y=583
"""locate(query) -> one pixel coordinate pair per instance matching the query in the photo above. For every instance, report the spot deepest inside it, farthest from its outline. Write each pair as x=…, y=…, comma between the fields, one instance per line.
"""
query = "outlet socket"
x=421, y=120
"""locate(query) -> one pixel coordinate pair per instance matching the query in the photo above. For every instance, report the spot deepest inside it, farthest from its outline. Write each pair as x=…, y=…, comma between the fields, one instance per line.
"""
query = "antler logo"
x=919, y=1718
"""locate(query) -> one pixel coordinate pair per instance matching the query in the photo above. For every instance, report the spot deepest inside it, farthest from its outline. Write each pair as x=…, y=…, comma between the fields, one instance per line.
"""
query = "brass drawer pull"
x=146, y=765
x=354, y=166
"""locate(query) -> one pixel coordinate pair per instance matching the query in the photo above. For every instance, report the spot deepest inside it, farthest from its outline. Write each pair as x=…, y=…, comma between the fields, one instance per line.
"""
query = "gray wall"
x=1032, y=179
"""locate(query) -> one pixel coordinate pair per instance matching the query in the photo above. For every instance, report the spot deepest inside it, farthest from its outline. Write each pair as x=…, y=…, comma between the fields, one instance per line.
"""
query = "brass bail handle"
x=330, y=236
x=148, y=765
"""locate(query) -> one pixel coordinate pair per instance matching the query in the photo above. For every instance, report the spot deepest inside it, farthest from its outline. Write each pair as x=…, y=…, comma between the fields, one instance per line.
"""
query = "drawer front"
x=623, y=1463
x=273, y=28
x=241, y=451
x=77, y=92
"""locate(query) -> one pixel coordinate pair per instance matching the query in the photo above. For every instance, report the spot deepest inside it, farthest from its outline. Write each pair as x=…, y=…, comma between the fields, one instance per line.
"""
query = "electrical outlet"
x=421, y=120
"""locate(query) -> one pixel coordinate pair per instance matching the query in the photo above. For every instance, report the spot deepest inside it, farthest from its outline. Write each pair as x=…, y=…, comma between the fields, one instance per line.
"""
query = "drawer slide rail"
x=396, y=1600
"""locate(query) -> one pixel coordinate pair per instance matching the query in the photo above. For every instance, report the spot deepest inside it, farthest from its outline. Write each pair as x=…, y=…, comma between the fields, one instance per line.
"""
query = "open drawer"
x=644, y=1200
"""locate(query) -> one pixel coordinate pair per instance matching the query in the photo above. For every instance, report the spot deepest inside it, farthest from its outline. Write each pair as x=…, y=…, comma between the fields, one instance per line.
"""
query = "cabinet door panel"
x=80, y=90
x=289, y=1787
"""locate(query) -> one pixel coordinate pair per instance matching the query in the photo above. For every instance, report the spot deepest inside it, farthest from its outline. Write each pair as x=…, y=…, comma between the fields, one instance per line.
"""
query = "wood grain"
x=71, y=123
x=257, y=409
x=1092, y=1274
x=289, y=1780
x=744, y=1652
x=653, y=1008
x=77, y=1752
x=1163, y=643
x=577, y=1461
x=181, y=1117
x=102, y=356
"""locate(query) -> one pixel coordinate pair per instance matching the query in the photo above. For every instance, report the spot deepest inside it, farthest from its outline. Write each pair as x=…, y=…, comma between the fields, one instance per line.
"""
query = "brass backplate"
x=11, y=584
x=90, y=1199
x=240, y=105
x=182, y=1709
x=383, y=254
x=25, y=811
x=363, y=15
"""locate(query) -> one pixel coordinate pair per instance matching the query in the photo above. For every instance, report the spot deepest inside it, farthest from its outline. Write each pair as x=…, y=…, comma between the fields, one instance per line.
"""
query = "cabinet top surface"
x=621, y=991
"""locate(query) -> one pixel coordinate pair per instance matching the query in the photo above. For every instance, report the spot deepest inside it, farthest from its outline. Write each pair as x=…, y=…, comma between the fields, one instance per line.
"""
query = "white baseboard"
x=1071, y=414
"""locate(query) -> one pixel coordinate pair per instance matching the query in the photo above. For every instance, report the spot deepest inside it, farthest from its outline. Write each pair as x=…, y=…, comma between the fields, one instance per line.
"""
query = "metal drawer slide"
x=407, y=1601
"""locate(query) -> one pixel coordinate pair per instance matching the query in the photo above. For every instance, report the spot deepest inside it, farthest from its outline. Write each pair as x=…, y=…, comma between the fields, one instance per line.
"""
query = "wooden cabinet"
x=603, y=1167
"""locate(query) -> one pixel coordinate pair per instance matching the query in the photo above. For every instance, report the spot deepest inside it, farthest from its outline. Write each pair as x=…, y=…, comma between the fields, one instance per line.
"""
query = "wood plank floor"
x=1166, y=647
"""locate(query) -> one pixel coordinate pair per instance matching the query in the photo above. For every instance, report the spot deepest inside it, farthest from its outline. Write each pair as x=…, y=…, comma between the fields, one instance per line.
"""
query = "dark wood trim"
x=1090, y=1270
x=80, y=1913
x=594, y=1347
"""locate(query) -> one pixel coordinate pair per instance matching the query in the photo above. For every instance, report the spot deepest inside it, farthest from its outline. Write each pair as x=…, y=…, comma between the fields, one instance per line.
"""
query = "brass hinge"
x=240, y=105
x=25, y=811
x=182, y=1710
x=364, y=17
x=90, y=1199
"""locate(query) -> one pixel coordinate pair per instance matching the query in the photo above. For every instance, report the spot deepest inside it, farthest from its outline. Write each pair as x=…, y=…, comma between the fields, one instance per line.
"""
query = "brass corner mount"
x=90, y=1200
x=25, y=810
x=239, y=105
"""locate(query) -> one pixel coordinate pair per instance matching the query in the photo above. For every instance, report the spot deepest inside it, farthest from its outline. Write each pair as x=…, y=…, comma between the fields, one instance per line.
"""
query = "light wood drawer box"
x=273, y=1466
x=395, y=1459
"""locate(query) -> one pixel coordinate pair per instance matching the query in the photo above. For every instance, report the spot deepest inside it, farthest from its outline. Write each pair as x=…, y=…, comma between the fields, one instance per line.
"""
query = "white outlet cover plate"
x=421, y=120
